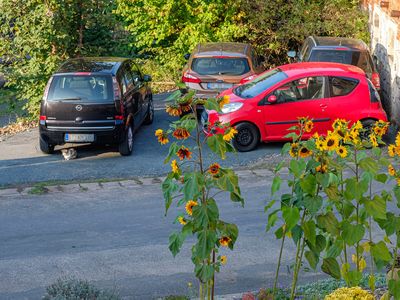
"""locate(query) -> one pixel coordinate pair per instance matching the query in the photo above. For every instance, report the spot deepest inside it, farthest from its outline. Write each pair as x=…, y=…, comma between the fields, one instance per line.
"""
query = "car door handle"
x=323, y=106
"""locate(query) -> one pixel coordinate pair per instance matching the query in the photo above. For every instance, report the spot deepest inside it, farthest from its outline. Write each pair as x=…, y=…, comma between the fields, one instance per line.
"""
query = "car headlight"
x=231, y=107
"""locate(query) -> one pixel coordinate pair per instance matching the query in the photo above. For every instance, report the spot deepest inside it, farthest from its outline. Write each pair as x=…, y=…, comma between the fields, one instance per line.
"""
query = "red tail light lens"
x=42, y=120
x=248, y=78
x=190, y=78
x=119, y=117
x=376, y=80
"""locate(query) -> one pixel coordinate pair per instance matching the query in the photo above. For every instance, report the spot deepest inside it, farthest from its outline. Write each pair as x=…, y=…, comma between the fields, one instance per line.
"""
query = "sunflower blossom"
x=223, y=259
x=331, y=142
x=224, y=241
x=173, y=110
x=391, y=170
x=392, y=150
x=174, y=166
x=230, y=134
x=304, y=152
x=184, y=152
x=181, y=133
x=294, y=149
x=308, y=126
x=214, y=169
x=374, y=141
x=182, y=220
x=341, y=151
x=224, y=100
x=189, y=206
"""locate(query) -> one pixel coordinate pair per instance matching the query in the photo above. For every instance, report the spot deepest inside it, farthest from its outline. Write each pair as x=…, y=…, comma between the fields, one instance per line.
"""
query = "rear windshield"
x=220, y=66
x=260, y=84
x=355, y=58
x=88, y=88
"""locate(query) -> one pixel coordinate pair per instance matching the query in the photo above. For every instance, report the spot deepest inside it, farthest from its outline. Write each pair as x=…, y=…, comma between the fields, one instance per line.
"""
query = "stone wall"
x=384, y=25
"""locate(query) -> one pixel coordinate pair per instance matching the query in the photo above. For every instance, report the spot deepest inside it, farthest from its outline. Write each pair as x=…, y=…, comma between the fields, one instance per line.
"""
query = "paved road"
x=116, y=236
x=22, y=162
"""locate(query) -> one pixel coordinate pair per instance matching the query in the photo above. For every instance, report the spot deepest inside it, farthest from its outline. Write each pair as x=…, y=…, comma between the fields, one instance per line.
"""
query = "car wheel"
x=150, y=114
x=247, y=137
x=45, y=147
x=126, y=146
x=367, y=124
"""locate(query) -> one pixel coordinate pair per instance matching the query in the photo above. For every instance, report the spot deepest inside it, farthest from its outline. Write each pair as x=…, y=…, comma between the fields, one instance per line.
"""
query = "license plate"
x=79, y=137
x=218, y=86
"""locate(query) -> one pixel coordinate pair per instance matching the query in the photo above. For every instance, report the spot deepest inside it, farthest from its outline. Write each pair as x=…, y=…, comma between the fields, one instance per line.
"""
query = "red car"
x=265, y=107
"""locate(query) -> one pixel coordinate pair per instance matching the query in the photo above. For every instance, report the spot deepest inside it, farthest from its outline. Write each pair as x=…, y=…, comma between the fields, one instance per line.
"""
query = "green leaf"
x=206, y=240
x=272, y=218
x=312, y=259
x=285, y=148
x=335, y=249
x=352, y=233
x=312, y=204
x=309, y=184
x=309, y=229
x=169, y=187
x=381, y=178
x=376, y=207
x=354, y=189
x=205, y=214
x=204, y=272
x=276, y=184
x=369, y=164
x=175, y=243
x=380, y=252
x=328, y=222
x=279, y=166
x=297, y=233
x=291, y=215
x=173, y=148
x=297, y=167
x=229, y=181
x=174, y=96
x=331, y=267
x=193, y=184
x=332, y=192
x=217, y=145
x=269, y=205
x=394, y=288
x=212, y=104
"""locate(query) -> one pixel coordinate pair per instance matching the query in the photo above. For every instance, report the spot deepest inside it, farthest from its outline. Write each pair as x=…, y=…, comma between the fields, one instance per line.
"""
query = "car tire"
x=126, y=146
x=247, y=137
x=45, y=147
x=150, y=113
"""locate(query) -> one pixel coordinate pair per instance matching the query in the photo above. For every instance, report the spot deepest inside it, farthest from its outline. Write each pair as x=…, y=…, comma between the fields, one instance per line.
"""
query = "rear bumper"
x=56, y=135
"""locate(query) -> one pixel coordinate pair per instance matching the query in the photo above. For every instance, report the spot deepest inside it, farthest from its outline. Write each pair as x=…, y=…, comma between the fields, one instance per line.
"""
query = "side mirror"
x=272, y=99
x=292, y=54
x=186, y=56
x=146, y=78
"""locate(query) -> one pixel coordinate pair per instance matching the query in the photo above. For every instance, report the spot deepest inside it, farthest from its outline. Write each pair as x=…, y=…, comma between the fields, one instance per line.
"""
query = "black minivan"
x=95, y=100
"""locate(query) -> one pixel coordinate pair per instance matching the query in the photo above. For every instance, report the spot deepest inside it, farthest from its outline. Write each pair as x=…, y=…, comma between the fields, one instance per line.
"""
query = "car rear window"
x=88, y=88
x=341, y=86
x=260, y=84
x=220, y=66
x=355, y=58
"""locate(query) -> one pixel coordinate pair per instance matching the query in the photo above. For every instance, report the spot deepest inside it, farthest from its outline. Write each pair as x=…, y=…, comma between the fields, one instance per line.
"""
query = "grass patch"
x=38, y=189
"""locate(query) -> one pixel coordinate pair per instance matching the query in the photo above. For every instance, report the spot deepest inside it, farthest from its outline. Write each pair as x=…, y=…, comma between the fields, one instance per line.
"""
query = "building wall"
x=385, y=45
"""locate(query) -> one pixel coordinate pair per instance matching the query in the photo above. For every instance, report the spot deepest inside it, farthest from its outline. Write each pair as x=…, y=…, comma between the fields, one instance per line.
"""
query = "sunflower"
x=358, y=126
x=304, y=152
x=339, y=123
x=379, y=131
x=173, y=110
x=294, y=149
x=397, y=150
x=223, y=259
x=181, y=133
x=320, y=144
x=224, y=241
x=392, y=150
x=230, y=134
x=372, y=138
x=224, y=100
x=398, y=181
x=214, y=169
x=184, y=152
x=182, y=220
x=321, y=168
x=391, y=170
x=341, y=151
x=331, y=142
x=174, y=166
x=308, y=126
x=186, y=107
x=159, y=132
x=189, y=206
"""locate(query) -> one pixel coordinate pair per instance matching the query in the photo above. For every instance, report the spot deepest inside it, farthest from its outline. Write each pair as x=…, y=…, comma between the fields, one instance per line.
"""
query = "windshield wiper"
x=68, y=99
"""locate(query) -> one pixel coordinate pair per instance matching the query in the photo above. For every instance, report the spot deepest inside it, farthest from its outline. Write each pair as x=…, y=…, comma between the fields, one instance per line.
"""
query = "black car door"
x=141, y=90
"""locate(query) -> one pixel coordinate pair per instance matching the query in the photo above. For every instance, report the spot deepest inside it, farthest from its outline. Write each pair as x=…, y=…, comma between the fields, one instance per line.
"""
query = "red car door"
x=304, y=97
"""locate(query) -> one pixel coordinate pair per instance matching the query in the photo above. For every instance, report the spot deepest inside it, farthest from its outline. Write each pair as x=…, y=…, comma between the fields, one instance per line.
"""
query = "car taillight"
x=376, y=80
x=119, y=119
x=190, y=78
x=117, y=91
x=248, y=78
x=42, y=120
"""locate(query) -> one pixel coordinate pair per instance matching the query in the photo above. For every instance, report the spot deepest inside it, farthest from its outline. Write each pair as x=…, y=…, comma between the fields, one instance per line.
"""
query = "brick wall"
x=384, y=25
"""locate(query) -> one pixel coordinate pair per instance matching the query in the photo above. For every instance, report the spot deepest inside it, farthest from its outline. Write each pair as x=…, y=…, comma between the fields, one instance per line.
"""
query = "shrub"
x=355, y=293
x=74, y=289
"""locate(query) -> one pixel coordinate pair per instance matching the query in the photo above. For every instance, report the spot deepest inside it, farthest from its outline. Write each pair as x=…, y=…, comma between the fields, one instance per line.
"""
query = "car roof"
x=323, y=68
x=329, y=42
x=222, y=49
x=108, y=65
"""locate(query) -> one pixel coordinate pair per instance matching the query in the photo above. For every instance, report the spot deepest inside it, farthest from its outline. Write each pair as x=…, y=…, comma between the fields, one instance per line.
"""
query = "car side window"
x=128, y=79
x=307, y=88
x=341, y=86
x=136, y=75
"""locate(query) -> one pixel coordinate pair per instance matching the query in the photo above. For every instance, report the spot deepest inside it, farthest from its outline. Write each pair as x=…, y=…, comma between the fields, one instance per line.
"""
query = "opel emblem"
x=78, y=107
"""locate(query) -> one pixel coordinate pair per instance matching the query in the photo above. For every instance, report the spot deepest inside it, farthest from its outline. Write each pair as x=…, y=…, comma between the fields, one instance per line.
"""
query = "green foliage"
x=167, y=29
x=74, y=289
x=35, y=36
